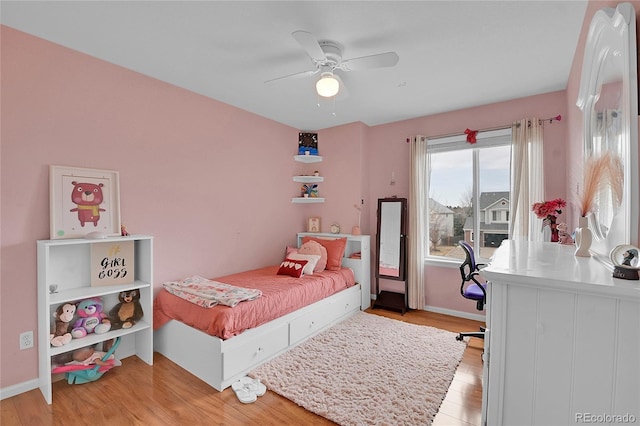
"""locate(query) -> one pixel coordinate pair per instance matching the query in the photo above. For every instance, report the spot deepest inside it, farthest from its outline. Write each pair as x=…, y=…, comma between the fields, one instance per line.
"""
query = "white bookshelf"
x=67, y=264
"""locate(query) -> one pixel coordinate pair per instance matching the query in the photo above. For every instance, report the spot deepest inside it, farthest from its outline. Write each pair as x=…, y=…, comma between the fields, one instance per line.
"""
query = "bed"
x=221, y=344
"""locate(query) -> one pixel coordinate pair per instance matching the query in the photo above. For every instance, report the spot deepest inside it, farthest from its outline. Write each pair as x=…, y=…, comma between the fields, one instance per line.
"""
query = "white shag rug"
x=368, y=370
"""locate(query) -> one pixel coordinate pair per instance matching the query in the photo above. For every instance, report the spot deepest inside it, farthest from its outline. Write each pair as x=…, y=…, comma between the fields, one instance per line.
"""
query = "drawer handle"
x=259, y=351
x=312, y=324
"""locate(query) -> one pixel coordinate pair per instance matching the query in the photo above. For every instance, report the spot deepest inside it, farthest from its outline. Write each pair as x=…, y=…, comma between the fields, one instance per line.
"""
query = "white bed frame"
x=219, y=362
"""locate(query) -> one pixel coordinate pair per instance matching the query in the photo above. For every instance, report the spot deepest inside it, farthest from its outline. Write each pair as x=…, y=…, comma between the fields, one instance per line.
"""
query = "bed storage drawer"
x=348, y=301
x=324, y=313
x=309, y=324
x=259, y=349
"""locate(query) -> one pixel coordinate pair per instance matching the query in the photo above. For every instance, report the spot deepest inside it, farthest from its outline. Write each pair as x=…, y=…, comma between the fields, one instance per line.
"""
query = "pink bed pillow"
x=315, y=248
x=293, y=268
x=335, y=250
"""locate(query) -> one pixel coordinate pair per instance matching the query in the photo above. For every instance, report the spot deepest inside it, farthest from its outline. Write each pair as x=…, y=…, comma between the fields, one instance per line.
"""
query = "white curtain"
x=418, y=187
x=527, y=179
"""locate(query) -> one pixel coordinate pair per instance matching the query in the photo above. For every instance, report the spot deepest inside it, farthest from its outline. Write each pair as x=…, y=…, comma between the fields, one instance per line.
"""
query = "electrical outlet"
x=26, y=340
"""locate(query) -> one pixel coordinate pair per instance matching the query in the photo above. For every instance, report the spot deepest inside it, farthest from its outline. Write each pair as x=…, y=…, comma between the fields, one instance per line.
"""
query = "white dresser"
x=564, y=339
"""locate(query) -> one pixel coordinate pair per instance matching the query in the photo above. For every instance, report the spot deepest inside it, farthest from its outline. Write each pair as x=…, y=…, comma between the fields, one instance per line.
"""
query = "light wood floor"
x=165, y=394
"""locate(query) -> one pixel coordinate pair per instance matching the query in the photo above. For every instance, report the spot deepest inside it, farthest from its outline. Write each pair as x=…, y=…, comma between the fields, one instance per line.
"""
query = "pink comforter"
x=281, y=295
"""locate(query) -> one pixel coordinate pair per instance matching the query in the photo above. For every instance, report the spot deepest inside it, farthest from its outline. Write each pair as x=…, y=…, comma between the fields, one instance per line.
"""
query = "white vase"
x=546, y=233
x=583, y=237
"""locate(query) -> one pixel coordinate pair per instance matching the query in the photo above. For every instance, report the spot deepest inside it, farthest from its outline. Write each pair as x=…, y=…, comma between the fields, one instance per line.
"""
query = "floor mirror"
x=391, y=253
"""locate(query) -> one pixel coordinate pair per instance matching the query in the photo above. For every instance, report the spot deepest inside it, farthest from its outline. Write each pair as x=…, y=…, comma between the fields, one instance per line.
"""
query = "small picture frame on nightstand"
x=313, y=224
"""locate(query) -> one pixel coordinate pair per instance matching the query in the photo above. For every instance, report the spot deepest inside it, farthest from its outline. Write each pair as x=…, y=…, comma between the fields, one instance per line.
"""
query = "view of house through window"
x=460, y=173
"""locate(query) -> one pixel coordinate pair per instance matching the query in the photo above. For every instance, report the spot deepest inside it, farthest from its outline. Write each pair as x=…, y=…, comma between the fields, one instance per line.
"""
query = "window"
x=460, y=173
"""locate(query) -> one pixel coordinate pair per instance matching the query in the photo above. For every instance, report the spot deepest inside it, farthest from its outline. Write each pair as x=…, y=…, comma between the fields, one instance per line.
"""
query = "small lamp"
x=328, y=85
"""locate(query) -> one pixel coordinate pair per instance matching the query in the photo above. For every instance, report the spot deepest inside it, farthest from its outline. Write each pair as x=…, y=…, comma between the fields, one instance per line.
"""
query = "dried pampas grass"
x=616, y=173
x=600, y=172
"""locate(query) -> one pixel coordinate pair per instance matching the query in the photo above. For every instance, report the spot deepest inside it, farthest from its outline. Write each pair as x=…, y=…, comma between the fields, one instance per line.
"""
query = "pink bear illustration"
x=87, y=197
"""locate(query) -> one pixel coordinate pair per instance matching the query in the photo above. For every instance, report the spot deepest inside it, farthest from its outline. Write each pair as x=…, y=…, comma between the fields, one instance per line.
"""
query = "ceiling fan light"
x=327, y=86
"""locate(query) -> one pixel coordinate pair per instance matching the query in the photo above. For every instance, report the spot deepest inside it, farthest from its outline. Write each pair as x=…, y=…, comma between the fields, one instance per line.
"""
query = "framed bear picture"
x=82, y=202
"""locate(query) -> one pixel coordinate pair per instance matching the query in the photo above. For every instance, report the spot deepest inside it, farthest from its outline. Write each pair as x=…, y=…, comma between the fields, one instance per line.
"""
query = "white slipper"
x=254, y=385
x=244, y=394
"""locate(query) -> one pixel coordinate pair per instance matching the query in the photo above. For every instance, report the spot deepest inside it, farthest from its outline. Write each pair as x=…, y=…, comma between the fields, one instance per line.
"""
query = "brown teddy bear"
x=126, y=313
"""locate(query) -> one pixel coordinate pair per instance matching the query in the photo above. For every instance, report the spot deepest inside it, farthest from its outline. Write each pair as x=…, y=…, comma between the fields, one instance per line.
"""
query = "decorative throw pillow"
x=313, y=247
x=292, y=267
x=312, y=260
x=335, y=250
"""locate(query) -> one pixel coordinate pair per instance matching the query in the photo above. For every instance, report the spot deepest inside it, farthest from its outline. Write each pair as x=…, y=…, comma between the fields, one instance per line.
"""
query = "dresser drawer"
x=259, y=349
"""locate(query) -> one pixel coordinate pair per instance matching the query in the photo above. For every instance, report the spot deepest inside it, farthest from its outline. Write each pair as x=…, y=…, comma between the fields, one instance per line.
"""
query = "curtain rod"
x=488, y=129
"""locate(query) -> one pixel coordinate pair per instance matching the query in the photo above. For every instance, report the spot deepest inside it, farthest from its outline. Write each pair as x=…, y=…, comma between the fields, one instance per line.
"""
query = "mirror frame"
x=401, y=241
x=614, y=29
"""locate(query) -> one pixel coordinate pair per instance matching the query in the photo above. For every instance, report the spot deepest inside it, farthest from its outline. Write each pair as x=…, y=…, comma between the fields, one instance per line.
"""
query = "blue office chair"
x=471, y=288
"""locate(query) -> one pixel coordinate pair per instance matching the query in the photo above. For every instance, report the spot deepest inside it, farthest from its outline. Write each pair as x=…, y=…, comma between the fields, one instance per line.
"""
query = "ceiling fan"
x=326, y=56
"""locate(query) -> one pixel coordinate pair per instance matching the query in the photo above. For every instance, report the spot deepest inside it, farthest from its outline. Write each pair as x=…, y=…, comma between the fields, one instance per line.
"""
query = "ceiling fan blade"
x=295, y=75
x=310, y=45
x=380, y=60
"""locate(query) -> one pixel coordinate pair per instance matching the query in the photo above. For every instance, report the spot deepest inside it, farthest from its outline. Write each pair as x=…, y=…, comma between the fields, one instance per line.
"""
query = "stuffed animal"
x=88, y=356
x=563, y=235
x=314, y=247
x=92, y=319
x=63, y=315
x=126, y=313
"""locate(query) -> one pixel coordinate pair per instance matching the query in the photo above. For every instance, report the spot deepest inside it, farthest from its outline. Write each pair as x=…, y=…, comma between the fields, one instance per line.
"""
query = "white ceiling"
x=453, y=54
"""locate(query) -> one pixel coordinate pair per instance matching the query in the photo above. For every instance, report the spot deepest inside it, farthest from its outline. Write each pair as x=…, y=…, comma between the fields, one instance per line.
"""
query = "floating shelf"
x=307, y=200
x=308, y=179
x=308, y=158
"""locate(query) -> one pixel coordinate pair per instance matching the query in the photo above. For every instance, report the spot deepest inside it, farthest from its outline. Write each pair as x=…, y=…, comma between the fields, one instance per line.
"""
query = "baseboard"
x=451, y=312
x=14, y=390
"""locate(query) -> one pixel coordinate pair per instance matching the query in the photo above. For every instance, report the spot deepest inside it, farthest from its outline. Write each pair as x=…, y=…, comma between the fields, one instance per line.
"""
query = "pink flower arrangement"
x=548, y=208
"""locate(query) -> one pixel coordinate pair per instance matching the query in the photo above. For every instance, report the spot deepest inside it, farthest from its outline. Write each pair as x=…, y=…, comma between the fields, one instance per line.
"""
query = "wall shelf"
x=308, y=179
x=303, y=200
x=308, y=158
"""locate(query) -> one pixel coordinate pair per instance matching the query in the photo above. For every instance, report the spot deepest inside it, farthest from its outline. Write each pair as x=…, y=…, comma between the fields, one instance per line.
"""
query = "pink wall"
x=211, y=182
x=216, y=200
x=387, y=151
